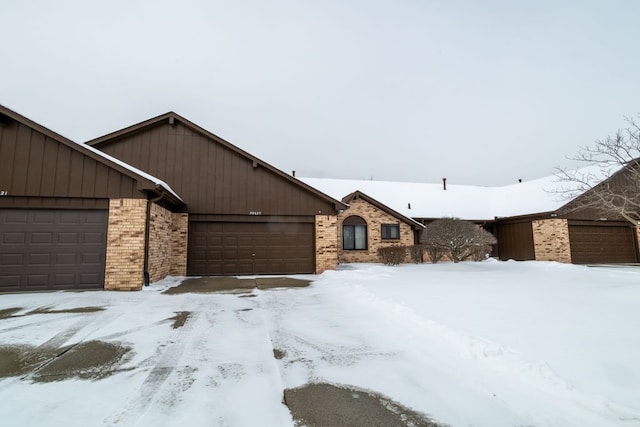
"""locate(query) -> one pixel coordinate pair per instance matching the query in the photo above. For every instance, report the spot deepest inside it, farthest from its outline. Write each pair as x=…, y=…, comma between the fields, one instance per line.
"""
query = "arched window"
x=354, y=234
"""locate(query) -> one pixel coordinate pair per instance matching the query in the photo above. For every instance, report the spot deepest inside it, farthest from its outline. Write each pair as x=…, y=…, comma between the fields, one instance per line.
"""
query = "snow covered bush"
x=458, y=239
x=392, y=255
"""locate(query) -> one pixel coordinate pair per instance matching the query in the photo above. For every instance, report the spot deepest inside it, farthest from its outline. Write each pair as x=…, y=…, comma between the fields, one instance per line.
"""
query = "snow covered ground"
x=470, y=344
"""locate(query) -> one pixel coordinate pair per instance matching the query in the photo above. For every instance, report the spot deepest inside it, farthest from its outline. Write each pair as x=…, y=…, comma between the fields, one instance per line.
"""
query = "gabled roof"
x=172, y=118
x=430, y=201
x=146, y=182
x=360, y=195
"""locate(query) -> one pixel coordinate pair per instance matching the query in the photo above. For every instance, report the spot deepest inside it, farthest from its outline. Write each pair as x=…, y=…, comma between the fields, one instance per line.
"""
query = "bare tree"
x=610, y=180
x=457, y=238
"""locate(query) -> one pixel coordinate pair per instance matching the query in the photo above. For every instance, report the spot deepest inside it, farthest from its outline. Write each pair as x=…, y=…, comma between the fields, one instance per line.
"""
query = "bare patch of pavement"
x=91, y=360
x=234, y=284
x=87, y=360
x=318, y=405
x=9, y=312
x=180, y=319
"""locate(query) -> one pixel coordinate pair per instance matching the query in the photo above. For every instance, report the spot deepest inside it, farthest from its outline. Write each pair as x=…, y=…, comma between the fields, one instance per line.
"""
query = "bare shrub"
x=392, y=255
x=416, y=252
x=435, y=253
x=457, y=238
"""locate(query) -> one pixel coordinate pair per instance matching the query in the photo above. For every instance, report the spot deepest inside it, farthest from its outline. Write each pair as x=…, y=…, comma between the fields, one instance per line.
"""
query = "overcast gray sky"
x=482, y=92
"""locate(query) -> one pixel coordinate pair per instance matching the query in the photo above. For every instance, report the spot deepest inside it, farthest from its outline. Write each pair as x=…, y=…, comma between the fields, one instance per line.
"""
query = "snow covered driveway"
x=483, y=344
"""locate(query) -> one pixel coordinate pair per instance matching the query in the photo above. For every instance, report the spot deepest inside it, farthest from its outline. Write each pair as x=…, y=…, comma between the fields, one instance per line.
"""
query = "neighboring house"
x=367, y=225
x=245, y=216
x=166, y=196
x=72, y=217
x=529, y=220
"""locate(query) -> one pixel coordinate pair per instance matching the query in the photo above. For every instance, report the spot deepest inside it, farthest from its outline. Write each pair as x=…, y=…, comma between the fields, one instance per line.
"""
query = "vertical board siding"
x=515, y=241
x=36, y=165
x=211, y=177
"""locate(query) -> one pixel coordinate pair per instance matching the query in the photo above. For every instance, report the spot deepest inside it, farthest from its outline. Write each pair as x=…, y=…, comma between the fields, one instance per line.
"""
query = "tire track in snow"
x=165, y=365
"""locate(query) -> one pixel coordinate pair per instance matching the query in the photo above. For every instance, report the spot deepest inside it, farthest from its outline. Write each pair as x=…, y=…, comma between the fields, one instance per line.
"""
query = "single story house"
x=529, y=219
x=166, y=196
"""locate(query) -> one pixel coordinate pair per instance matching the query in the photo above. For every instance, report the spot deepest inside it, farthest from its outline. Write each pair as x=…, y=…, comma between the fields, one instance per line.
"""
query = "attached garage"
x=52, y=249
x=232, y=248
x=245, y=216
x=73, y=218
x=602, y=244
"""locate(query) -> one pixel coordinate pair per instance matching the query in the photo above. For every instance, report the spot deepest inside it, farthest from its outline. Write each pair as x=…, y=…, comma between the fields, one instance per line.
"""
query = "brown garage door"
x=591, y=244
x=48, y=249
x=236, y=248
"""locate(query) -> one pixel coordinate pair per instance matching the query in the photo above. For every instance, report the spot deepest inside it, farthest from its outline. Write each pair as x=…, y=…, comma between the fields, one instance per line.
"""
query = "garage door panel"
x=52, y=249
x=89, y=258
x=41, y=238
x=10, y=238
x=250, y=248
x=15, y=217
x=43, y=217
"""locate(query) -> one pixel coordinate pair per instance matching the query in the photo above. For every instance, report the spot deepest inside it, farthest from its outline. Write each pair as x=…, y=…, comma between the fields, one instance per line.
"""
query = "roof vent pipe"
x=444, y=184
x=293, y=173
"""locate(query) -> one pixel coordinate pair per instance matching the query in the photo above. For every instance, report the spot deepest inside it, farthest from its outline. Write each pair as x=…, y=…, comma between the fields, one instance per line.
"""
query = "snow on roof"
x=127, y=166
x=421, y=200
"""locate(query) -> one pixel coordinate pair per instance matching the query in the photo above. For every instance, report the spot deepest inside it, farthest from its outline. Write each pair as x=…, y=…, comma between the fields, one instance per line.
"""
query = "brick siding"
x=374, y=218
x=551, y=240
x=160, y=226
x=179, y=240
x=326, y=242
x=167, y=243
x=125, y=244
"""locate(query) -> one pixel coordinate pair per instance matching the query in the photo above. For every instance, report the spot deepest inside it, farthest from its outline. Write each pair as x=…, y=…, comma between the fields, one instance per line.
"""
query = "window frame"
x=353, y=223
x=388, y=228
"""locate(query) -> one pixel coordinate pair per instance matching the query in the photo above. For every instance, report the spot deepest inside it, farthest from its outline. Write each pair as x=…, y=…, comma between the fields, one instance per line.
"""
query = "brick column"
x=179, y=241
x=125, y=244
x=160, y=225
x=326, y=242
x=551, y=240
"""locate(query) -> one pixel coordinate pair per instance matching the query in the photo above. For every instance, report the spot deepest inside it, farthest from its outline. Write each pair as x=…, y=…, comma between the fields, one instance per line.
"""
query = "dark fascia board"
x=144, y=183
x=527, y=217
x=359, y=194
x=172, y=117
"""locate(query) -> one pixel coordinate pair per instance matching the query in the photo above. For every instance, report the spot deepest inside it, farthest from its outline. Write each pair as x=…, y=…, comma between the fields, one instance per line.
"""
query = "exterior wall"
x=551, y=240
x=125, y=244
x=211, y=175
x=326, y=242
x=167, y=243
x=160, y=230
x=179, y=240
x=374, y=218
x=36, y=163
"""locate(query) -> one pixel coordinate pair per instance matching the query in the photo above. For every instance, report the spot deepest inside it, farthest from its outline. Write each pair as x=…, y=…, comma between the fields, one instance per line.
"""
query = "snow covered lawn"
x=482, y=344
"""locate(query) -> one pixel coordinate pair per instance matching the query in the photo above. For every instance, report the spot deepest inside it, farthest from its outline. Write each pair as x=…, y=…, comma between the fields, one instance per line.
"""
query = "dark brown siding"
x=53, y=202
x=35, y=165
x=515, y=241
x=48, y=249
x=210, y=177
x=236, y=248
x=602, y=243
